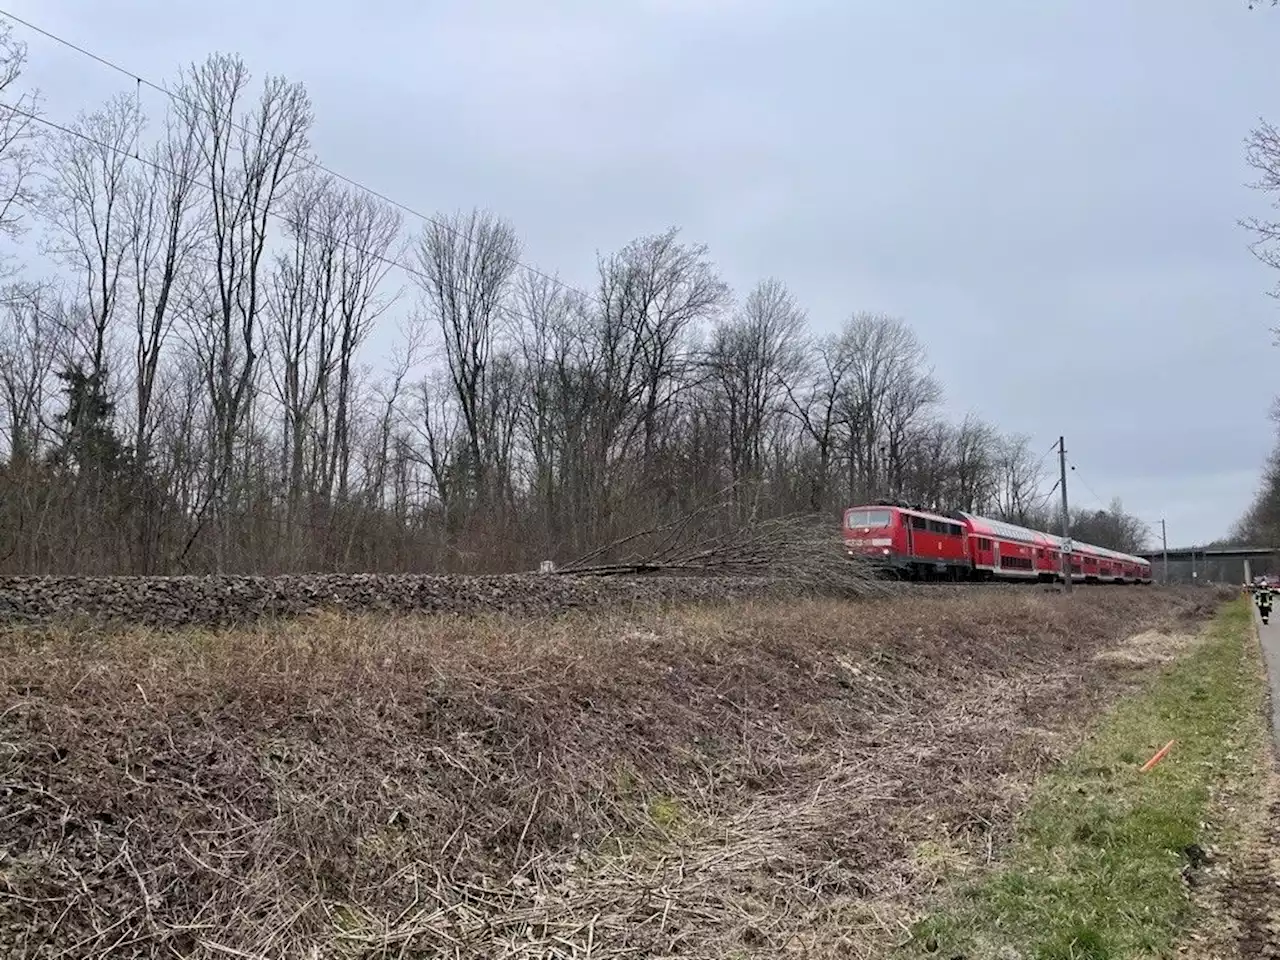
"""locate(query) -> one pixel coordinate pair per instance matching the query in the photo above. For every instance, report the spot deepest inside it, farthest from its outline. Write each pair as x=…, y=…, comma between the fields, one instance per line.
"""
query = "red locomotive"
x=918, y=544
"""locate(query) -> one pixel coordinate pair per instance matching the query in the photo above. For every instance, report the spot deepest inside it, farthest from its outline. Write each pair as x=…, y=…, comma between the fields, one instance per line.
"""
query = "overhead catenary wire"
x=191, y=180
x=1053, y=448
x=1102, y=503
x=308, y=230
x=1146, y=525
x=1042, y=500
x=307, y=160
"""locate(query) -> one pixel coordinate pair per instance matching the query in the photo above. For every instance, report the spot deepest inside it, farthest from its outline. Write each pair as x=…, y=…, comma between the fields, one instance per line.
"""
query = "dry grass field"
x=766, y=777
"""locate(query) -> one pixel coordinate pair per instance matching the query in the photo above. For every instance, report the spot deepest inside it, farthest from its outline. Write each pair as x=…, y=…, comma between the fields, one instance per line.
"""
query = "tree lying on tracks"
x=802, y=550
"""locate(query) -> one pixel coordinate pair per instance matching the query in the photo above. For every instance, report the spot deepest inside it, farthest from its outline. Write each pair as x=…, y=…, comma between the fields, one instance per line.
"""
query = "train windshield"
x=868, y=518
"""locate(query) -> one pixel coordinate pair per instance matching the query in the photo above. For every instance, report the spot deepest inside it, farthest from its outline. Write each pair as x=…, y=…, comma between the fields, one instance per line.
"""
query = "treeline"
x=1260, y=524
x=193, y=390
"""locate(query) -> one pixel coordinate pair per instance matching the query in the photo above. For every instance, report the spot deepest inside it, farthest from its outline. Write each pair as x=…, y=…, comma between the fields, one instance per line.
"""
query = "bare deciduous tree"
x=549, y=413
x=974, y=476
x=247, y=157
x=886, y=380
x=1111, y=528
x=1021, y=479
x=653, y=294
x=909, y=404
x=1263, y=154
x=443, y=429
x=370, y=233
x=817, y=400
x=18, y=136
x=168, y=222
x=300, y=330
x=388, y=417
x=751, y=359
x=467, y=263
x=1260, y=524
x=88, y=203
x=31, y=347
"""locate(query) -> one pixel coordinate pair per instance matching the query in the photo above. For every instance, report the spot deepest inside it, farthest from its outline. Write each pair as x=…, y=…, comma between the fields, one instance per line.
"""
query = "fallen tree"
x=803, y=550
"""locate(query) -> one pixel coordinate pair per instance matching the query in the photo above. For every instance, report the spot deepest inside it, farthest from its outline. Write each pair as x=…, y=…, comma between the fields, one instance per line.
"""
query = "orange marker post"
x=1160, y=754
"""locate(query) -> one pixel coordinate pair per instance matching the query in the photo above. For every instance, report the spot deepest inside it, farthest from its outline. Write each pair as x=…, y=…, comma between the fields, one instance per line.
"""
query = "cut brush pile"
x=765, y=778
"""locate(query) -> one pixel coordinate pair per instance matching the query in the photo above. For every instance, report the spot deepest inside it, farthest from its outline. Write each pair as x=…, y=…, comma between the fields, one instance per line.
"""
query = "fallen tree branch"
x=803, y=551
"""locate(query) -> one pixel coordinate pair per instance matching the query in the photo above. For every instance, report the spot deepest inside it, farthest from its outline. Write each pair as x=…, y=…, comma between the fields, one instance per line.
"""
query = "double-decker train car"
x=1006, y=551
x=914, y=543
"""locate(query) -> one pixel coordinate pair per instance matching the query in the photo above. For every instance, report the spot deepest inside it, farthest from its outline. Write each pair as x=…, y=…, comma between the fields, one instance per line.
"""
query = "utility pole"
x=1164, y=548
x=1066, y=530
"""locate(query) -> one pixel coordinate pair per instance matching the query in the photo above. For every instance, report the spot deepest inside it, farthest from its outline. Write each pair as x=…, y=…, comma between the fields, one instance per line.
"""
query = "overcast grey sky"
x=1048, y=192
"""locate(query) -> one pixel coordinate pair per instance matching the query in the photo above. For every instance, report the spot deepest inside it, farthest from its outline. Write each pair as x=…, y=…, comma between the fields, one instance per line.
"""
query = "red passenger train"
x=918, y=544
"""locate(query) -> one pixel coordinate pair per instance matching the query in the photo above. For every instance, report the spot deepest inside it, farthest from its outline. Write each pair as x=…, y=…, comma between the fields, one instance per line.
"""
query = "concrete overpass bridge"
x=1213, y=564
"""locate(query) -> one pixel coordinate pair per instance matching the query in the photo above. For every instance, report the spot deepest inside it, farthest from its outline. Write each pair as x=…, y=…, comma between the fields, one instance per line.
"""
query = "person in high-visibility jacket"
x=1263, y=598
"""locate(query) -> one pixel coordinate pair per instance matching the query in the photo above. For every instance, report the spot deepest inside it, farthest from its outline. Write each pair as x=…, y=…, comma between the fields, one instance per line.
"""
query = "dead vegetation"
x=228, y=600
x=765, y=779
x=803, y=551
x=1147, y=648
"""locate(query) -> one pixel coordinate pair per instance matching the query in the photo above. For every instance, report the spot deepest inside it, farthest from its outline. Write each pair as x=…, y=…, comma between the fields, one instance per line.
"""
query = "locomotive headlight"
x=885, y=551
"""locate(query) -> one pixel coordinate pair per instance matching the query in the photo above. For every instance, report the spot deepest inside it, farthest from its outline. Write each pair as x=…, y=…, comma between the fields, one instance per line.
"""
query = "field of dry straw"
x=766, y=777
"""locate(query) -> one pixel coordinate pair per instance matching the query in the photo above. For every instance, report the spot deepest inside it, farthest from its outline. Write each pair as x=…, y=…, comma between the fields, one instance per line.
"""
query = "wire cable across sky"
x=304, y=158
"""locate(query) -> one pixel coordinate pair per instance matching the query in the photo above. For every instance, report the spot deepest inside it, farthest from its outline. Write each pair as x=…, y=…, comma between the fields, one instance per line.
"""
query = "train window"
x=919, y=523
x=956, y=530
x=869, y=518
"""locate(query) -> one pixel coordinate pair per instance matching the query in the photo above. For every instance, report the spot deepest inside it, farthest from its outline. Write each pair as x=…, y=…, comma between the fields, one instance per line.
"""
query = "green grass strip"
x=1095, y=870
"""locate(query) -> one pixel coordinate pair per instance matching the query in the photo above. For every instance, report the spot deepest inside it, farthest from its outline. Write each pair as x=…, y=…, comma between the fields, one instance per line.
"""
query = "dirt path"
x=1270, y=634
x=1255, y=886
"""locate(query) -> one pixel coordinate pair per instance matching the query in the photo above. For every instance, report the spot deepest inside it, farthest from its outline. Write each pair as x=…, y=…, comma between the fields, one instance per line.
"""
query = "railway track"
x=909, y=586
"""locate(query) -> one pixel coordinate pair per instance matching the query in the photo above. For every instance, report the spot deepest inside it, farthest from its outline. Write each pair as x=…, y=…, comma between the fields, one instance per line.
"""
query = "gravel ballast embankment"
x=225, y=600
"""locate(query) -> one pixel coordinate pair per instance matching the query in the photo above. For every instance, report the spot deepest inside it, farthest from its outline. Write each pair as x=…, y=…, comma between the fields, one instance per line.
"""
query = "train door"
x=995, y=557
